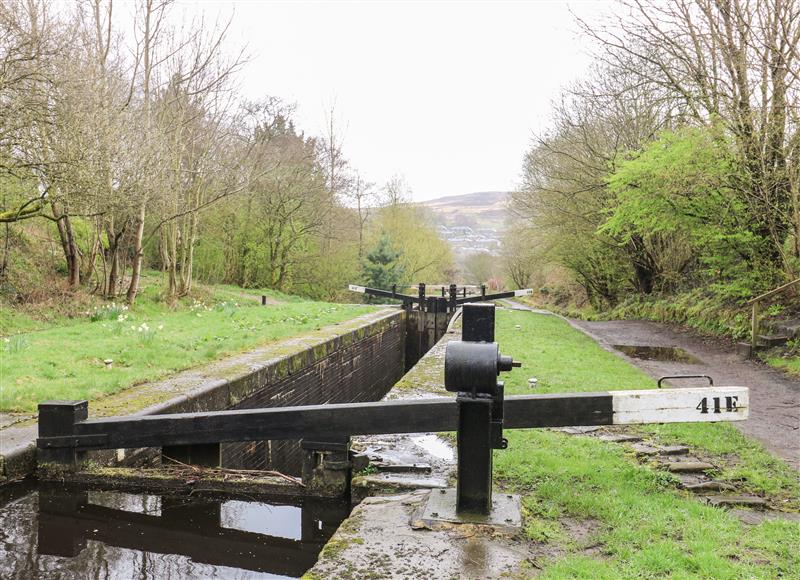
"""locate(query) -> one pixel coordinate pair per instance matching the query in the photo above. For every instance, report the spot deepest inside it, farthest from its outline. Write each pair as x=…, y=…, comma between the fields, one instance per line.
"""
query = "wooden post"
x=754, y=329
x=453, y=297
x=263, y=300
x=58, y=419
x=441, y=318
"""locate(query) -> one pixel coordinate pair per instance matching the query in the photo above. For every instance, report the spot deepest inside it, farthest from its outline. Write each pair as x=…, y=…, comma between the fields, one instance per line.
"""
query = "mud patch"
x=582, y=531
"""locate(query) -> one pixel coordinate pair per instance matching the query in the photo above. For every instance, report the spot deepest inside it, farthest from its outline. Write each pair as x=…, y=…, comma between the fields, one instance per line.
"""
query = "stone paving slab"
x=737, y=500
x=9, y=419
x=376, y=541
x=689, y=466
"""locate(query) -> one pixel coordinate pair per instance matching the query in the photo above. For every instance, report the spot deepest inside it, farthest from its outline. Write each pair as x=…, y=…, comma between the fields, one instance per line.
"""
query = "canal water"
x=52, y=532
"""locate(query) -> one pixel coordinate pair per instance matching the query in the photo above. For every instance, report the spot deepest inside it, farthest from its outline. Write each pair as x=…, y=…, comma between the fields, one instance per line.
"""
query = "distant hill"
x=482, y=209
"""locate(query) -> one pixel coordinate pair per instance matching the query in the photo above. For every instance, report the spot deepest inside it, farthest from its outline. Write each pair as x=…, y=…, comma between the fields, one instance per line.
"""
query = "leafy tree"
x=424, y=255
x=677, y=196
x=519, y=254
x=479, y=267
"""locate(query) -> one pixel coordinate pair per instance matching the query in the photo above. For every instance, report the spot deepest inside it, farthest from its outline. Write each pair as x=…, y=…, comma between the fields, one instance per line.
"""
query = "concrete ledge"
x=215, y=386
x=426, y=378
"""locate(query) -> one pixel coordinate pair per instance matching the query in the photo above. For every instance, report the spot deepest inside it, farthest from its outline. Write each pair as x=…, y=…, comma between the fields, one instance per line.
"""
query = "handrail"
x=754, y=302
x=772, y=292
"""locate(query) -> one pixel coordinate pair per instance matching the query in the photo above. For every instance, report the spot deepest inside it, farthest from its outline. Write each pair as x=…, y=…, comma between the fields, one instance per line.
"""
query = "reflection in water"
x=662, y=353
x=56, y=533
x=435, y=445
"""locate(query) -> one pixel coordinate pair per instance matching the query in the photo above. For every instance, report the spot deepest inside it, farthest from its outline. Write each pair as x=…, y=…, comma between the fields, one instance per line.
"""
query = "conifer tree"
x=382, y=268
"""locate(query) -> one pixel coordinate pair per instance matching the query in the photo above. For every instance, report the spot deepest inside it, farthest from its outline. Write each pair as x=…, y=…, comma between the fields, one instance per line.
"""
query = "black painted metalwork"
x=420, y=298
x=477, y=322
x=498, y=441
x=708, y=378
x=471, y=368
x=474, y=486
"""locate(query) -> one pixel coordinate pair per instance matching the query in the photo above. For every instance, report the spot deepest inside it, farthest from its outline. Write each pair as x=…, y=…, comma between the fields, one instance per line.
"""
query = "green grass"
x=646, y=526
x=696, y=309
x=791, y=365
x=71, y=308
x=152, y=341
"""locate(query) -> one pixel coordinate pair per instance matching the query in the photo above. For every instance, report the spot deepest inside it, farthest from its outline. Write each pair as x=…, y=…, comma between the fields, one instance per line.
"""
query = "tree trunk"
x=171, y=265
x=113, y=258
x=113, y=271
x=71, y=251
x=138, y=252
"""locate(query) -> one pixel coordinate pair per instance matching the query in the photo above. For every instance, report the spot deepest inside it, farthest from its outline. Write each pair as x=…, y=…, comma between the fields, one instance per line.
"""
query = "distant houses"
x=466, y=240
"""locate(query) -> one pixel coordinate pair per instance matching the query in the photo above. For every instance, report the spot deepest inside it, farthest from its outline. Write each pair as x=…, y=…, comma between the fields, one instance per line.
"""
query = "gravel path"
x=774, y=396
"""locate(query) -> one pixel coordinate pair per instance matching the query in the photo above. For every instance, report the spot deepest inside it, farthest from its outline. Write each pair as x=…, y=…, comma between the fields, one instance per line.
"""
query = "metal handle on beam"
x=662, y=379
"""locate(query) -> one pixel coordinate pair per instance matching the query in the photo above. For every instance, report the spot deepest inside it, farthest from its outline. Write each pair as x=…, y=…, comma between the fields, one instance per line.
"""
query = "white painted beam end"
x=695, y=405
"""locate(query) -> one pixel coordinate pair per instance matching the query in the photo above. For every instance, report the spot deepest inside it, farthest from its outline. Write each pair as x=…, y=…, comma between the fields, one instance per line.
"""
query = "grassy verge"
x=66, y=361
x=67, y=308
x=642, y=525
x=694, y=309
x=790, y=364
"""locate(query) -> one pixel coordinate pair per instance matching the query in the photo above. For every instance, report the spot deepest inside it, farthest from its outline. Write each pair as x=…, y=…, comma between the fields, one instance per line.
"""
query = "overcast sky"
x=445, y=93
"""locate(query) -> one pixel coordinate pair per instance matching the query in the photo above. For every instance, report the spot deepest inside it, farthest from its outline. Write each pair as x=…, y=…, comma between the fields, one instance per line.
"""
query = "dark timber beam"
x=383, y=293
x=327, y=422
x=498, y=296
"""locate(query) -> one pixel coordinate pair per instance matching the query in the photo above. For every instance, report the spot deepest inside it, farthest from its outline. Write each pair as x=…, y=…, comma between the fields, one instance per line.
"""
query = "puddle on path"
x=52, y=532
x=434, y=445
x=659, y=353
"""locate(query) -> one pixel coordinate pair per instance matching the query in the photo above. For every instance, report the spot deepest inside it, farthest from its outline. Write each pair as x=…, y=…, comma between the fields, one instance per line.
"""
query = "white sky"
x=445, y=93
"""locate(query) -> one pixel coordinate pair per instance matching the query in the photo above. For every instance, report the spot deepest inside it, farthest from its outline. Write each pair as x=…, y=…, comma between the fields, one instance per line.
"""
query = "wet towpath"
x=774, y=395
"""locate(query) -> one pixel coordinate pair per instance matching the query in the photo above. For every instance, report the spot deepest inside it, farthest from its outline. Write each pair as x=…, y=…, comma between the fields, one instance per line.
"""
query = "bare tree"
x=733, y=60
x=364, y=195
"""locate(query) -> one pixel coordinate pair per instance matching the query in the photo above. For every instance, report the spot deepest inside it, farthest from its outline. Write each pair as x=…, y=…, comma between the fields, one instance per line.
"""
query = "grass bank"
x=789, y=362
x=694, y=309
x=64, y=358
x=66, y=307
x=642, y=525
